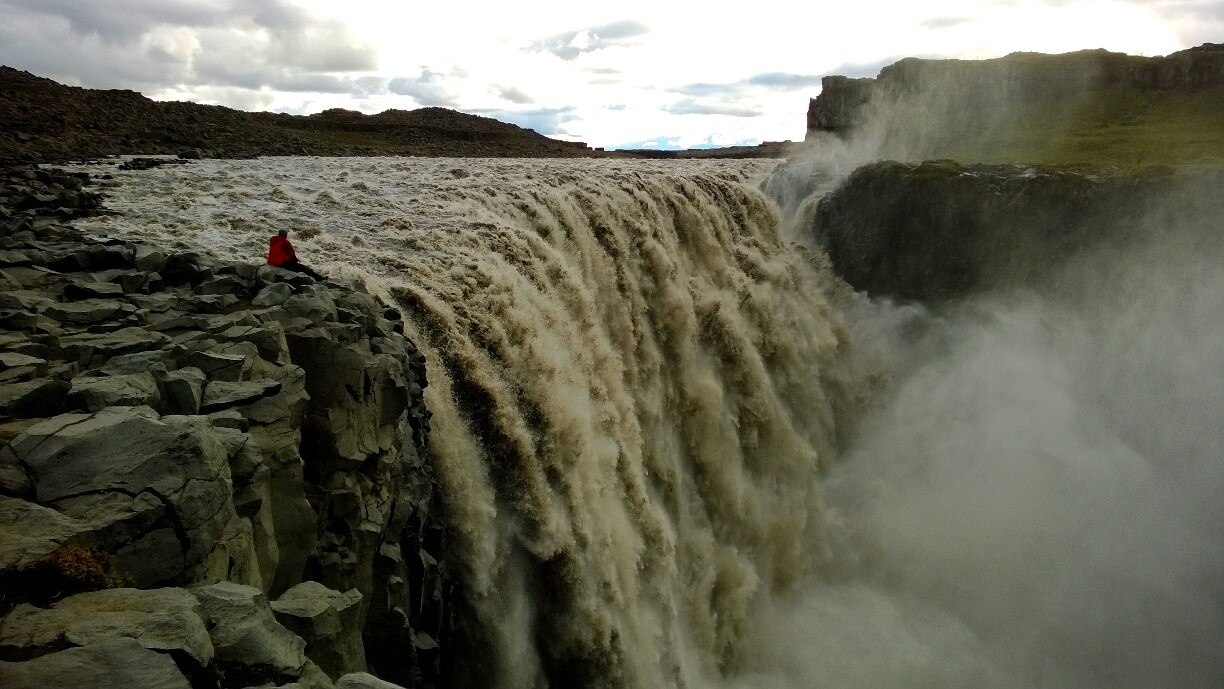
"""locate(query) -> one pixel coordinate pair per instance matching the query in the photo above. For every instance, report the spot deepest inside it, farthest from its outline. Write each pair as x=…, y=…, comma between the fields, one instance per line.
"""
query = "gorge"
x=859, y=418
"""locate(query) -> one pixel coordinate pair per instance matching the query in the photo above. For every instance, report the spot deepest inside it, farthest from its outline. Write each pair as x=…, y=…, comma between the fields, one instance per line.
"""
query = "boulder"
x=220, y=394
x=329, y=622
x=89, y=311
x=274, y=294
x=128, y=390
x=160, y=619
x=183, y=390
x=121, y=662
x=364, y=680
x=218, y=366
x=150, y=259
x=29, y=532
x=129, y=451
x=33, y=398
x=245, y=632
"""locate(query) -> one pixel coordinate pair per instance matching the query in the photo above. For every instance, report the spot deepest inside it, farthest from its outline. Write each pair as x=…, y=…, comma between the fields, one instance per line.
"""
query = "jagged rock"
x=127, y=450
x=33, y=398
x=86, y=346
x=220, y=394
x=225, y=284
x=150, y=259
x=115, y=517
x=364, y=680
x=269, y=339
x=313, y=303
x=14, y=360
x=183, y=390
x=31, y=532
x=271, y=274
x=92, y=257
x=80, y=289
x=245, y=632
x=131, y=390
x=89, y=311
x=218, y=366
x=153, y=361
x=229, y=418
x=274, y=294
x=112, y=663
x=160, y=620
x=14, y=479
x=329, y=622
x=185, y=268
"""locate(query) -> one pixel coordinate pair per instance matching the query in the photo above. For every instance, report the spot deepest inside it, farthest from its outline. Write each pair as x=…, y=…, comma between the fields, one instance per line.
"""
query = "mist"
x=1033, y=499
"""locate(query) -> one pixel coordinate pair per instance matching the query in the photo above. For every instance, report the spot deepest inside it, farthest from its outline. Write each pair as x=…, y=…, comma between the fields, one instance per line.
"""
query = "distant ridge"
x=44, y=121
x=1090, y=106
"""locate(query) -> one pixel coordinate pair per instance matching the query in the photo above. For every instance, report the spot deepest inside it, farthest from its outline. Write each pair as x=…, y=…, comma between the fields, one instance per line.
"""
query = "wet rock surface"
x=184, y=440
x=941, y=229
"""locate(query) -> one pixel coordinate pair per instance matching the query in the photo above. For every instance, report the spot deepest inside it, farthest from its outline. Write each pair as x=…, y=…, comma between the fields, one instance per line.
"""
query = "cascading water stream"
x=634, y=381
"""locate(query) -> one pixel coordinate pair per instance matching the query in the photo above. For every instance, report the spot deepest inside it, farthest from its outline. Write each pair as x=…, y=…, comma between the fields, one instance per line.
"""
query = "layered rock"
x=188, y=440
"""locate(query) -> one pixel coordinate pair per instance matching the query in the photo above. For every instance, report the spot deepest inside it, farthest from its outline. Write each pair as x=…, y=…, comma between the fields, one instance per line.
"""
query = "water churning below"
x=649, y=427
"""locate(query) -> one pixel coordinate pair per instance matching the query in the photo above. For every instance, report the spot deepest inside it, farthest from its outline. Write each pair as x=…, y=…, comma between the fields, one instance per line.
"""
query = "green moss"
x=1120, y=127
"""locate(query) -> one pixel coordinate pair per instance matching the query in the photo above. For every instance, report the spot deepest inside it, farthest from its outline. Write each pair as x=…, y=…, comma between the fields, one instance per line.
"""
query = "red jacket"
x=280, y=251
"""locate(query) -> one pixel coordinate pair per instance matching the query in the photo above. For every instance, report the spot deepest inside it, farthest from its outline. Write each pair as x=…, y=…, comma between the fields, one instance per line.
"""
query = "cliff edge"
x=212, y=473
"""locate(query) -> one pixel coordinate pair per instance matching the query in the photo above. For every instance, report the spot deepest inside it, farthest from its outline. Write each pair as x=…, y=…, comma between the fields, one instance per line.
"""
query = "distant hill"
x=1091, y=106
x=44, y=121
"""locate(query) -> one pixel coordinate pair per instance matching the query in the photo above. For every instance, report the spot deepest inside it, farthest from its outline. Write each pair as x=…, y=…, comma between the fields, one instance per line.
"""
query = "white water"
x=637, y=382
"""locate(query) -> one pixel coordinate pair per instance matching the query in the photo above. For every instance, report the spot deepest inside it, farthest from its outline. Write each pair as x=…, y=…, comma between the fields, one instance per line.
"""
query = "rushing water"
x=657, y=469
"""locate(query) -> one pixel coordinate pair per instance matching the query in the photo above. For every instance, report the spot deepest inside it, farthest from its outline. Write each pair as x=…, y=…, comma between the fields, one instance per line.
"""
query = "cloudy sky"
x=629, y=73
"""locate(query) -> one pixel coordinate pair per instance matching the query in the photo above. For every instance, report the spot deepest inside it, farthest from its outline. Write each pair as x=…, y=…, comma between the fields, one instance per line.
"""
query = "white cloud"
x=675, y=70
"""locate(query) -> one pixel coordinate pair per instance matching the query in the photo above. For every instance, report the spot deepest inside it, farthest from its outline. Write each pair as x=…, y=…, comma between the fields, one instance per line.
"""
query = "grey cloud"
x=123, y=20
x=868, y=69
x=247, y=44
x=569, y=45
x=770, y=81
x=945, y=22
x=690, y=106
x=429, y=89
x=707, y=89
x=53, y=50
x=546, y=121
x=514, y=95
x=783, y=81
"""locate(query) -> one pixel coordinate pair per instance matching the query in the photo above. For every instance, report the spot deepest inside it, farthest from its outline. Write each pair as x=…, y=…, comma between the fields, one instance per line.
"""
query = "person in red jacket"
x=282, y=255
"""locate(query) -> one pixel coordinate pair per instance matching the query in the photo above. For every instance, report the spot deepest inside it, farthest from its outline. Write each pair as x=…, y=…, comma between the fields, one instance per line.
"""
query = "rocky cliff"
x=212, y=473
x=941, y=229
x=1031, y=107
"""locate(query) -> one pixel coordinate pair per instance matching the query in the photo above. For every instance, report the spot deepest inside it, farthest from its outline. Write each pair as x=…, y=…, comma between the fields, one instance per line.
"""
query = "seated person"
x=282, y=255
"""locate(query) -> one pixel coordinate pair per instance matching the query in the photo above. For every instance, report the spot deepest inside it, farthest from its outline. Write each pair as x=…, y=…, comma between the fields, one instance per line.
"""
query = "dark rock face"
x=165, y=430
x=949, y=85
x=942, y=229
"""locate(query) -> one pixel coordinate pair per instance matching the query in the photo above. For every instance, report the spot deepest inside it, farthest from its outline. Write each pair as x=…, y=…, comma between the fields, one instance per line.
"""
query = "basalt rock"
x=219, y=427
x=941, y=229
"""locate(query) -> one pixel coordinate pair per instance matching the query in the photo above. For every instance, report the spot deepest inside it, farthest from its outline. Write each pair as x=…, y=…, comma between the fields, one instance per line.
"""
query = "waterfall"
x=676, y=451
x=635, y=383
